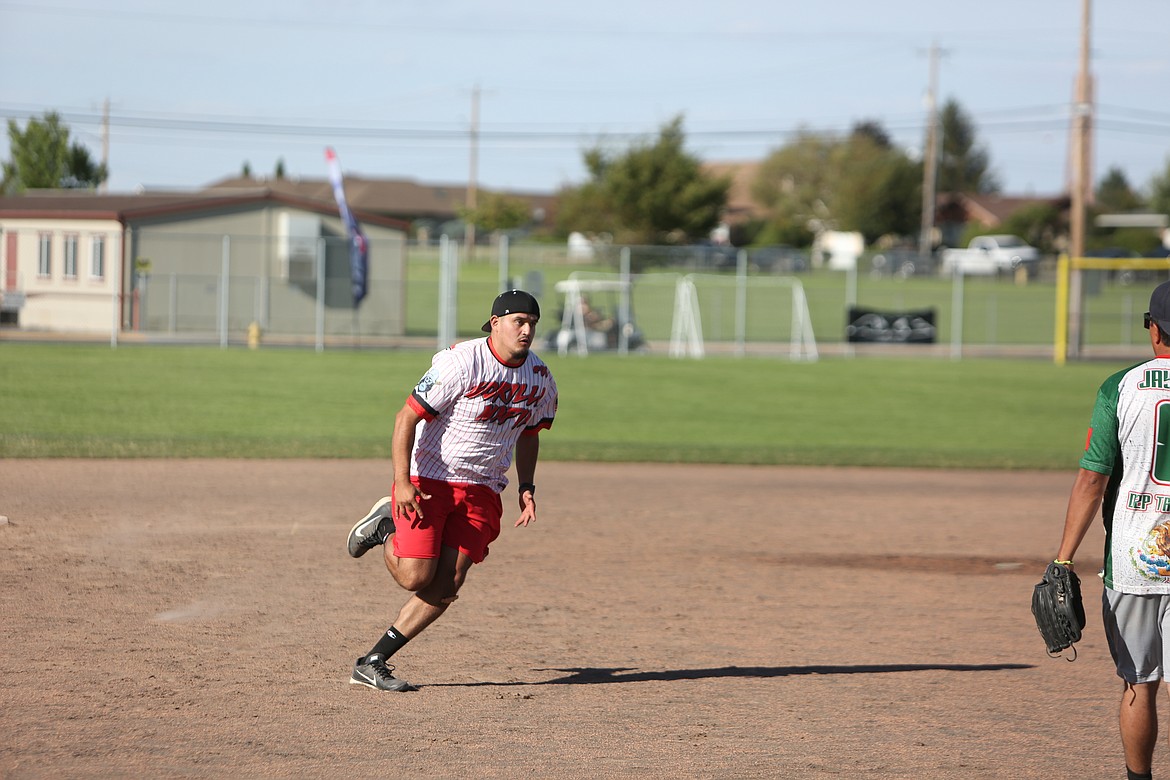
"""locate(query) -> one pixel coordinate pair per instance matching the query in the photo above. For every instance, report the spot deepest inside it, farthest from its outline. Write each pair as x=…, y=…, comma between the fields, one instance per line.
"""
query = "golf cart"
x=588, y=328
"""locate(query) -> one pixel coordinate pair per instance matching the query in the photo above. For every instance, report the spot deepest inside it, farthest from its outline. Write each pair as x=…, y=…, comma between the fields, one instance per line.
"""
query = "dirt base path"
x=199, y=619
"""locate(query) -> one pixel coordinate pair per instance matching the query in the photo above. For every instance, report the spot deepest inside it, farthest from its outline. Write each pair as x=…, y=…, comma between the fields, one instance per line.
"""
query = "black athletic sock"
x=390, y=643
x=1132, y=775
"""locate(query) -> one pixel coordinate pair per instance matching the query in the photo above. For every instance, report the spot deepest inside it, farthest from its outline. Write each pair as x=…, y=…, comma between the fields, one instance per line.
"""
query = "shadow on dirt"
x=591, y=676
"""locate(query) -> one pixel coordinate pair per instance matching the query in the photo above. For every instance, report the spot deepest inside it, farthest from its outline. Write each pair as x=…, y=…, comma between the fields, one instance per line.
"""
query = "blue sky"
x=197, y=89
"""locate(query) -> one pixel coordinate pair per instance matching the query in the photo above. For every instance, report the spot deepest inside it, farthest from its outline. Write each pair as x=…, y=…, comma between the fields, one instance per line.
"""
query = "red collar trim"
x=496, y=355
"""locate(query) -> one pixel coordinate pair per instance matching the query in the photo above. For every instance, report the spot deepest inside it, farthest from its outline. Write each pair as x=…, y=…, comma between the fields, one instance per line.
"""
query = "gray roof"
x=401, y=198
x=84, y=204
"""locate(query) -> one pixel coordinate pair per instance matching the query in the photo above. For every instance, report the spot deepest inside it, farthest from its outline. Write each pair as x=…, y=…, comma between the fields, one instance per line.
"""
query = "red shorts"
x=463, y=517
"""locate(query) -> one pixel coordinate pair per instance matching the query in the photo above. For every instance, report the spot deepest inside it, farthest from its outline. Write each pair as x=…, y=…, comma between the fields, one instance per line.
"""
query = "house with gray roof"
x=201, y=263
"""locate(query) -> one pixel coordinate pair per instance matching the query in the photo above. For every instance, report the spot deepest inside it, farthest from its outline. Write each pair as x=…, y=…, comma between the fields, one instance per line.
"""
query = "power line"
x=1028, y=119
x=247, y=126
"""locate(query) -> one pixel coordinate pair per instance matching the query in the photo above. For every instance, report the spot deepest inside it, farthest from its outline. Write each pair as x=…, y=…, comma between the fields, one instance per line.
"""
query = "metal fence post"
x=448, y=284
x=740, y=302
x=320, y=326
x=173, y=319
x=505, y=261
x=116, y=305
x=957, y=313
x=223, y=292
x=850, y=302
x=624, y=319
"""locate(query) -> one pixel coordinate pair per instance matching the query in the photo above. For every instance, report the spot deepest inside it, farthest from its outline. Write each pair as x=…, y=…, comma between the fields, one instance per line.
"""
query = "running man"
x=453, y=442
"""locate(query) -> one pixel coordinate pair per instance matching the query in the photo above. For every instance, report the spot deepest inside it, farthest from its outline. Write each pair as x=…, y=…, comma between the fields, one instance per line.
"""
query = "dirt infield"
x=199, y=619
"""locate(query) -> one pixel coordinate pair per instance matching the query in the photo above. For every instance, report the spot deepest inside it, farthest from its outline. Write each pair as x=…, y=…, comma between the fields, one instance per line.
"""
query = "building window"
x=45, y=255
x=97, y=262
x=70, y=257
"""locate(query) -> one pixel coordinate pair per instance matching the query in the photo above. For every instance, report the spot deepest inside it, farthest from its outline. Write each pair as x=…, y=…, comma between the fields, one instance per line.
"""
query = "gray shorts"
x=1136, y=627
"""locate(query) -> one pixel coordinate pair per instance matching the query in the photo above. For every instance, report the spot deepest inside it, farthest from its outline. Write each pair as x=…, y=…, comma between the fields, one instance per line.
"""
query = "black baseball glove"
x=1057, y=607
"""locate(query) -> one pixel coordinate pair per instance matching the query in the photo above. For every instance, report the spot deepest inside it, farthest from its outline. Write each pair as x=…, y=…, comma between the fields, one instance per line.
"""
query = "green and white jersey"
x=1129, y=439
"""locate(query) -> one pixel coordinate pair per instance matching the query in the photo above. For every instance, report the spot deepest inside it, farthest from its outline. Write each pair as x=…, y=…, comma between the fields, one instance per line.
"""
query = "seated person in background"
x=601, y=332
x=594, y=320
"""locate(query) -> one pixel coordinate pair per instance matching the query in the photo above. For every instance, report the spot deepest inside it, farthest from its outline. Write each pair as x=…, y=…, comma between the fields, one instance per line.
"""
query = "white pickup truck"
x=989, y=255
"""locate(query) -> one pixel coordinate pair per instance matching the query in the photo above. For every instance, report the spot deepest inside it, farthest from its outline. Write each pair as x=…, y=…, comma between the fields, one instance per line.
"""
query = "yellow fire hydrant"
x=254, y=335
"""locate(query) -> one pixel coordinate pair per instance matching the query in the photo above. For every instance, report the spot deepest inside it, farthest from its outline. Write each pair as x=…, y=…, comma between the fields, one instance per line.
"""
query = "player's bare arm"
x=527, y=451
x=407, y=497
x=1083, y=503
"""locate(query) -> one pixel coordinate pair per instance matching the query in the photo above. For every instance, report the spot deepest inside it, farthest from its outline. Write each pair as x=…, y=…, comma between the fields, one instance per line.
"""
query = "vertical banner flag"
x=359, y=251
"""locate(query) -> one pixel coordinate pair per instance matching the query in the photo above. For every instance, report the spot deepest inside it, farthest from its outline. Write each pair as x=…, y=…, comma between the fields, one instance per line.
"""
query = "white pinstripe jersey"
x=474, y=409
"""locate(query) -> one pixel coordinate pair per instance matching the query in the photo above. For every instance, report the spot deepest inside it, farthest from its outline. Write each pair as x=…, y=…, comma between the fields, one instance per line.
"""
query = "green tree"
x=1159, y=191
x=584, y=209
x=497, y=211
x=873, y=130
x=879, y=187
x=653, y=193
x=1114, y=195
x=964, y=165
x=43, y=158
x=858, y=183
x=279, y=173
x=794, y=183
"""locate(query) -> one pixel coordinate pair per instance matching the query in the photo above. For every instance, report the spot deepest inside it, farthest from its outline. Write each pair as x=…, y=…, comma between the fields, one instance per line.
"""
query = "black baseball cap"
x=512, y=302
x=1160, y=306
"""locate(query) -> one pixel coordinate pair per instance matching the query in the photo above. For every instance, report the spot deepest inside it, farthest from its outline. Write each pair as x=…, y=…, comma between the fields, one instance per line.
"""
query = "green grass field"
x=94, y=402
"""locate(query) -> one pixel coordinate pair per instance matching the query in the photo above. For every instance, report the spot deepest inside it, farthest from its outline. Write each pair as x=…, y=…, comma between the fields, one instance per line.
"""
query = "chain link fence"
x=311, y=300
x=233, y=289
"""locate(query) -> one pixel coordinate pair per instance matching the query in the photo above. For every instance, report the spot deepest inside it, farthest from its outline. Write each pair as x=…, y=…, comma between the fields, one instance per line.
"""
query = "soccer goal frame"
x=686, y=339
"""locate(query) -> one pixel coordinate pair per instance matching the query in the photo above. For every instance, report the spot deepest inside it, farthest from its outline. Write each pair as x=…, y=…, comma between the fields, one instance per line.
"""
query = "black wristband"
x=527, y=486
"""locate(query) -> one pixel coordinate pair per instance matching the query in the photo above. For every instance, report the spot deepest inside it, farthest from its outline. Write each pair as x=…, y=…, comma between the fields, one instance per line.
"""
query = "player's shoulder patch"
x=429, y=381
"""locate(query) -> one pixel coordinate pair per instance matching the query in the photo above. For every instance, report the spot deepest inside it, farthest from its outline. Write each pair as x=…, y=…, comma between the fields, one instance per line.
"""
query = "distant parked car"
x=989, y=255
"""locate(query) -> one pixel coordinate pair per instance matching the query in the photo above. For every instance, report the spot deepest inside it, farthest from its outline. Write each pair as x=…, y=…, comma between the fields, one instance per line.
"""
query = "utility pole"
x=1082, y=134
x=930, y=160
x=1080, y=188
x=473, y=174
x=104, y=187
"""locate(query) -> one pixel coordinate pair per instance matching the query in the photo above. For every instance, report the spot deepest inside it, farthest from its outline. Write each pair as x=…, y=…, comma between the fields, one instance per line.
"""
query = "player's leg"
x=413, y=556
x=1139, y=725
x=432, y=600
x=419, y=611
x=470, y=520
x=379, y=527
x=411, y=573
x=412, y=546
x=1134, y=630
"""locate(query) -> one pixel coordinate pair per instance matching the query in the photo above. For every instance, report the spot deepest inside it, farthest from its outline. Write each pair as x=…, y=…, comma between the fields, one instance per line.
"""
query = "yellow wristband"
x=1064, y=563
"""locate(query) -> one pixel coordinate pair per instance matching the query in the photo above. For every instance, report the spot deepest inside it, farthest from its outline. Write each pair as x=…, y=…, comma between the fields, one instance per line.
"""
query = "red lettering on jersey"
x=477, y=390
x=507, y=392
x=532, y=397
x=501, y=415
